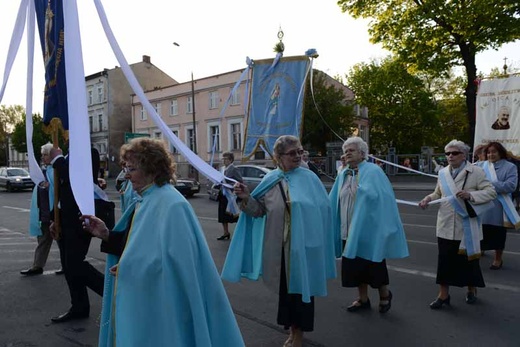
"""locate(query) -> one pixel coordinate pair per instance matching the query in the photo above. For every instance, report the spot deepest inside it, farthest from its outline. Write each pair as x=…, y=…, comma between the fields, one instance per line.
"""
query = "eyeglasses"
x=293, y=153
x=452, y=153
x=127, y=169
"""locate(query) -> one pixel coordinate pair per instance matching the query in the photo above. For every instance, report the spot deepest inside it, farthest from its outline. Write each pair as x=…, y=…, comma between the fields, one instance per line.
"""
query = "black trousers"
x=79, y=273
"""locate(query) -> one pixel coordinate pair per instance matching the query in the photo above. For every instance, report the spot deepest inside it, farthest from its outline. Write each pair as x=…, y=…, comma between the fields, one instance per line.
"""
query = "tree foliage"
x=9, y=116
x=19, y=139
x=436, y=35
x=326, y=110
x=401, y=108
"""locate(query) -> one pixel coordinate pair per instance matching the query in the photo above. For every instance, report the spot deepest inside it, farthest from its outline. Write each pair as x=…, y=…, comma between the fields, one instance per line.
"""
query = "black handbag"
x=469, y=208
x=105, y=212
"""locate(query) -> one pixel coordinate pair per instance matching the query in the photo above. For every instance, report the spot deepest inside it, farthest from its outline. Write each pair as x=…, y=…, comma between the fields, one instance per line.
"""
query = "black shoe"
x=224, y=237
x=59, y=272
x=68, y=316
x=496, y=267
x=32, y=271
x=437, y=304
x=359, y=305
x=383, y=308
x=471, y=298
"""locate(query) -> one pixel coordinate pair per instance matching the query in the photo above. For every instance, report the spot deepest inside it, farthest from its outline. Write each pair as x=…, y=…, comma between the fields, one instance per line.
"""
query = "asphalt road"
x=26, y=304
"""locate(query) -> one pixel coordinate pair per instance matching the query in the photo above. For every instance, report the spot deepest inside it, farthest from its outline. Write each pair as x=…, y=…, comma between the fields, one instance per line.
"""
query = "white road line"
x=19, y=209
x=433, y=275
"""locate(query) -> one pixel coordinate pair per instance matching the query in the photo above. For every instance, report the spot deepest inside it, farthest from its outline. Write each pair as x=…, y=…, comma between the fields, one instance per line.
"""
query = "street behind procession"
x=27, y=303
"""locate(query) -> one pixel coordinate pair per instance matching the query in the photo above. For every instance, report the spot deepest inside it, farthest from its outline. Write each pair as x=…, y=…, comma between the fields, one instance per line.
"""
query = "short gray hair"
x=360, y=144
x=461, y=146
x=283, y=142
x=46, y=148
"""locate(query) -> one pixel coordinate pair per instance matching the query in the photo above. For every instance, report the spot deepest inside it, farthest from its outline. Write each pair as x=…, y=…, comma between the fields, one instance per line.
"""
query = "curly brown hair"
x=152, y=157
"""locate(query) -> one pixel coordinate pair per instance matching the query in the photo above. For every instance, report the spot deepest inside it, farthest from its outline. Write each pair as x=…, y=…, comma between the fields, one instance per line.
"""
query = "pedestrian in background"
x=458, y=229
x=504, y=178
x=162, y=286
x=42, y=203
x=367, y=226
x=224, y=215
x=284, y=235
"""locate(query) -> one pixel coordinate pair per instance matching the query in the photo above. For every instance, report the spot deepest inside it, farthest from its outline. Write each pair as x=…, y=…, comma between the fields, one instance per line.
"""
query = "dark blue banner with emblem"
x=49, y=14
x=276, y=102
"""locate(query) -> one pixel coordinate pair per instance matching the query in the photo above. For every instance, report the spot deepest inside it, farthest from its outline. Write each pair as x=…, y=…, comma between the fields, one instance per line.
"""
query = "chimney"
x=146, y=59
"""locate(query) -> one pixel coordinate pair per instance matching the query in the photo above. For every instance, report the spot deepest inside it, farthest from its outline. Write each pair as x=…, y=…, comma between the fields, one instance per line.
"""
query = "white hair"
x=46, y=148
x=464, y=148
x=360, y=144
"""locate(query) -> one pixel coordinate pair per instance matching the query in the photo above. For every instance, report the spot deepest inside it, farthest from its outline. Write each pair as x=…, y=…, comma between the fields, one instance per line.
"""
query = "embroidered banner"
x=276, y=102
x=49, y=14
x=498, y=113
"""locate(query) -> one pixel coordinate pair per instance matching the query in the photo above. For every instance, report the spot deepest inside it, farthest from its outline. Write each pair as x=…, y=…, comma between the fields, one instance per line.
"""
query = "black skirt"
x=494, y=237
x=355, y=272
x=223, y=216
x=292, y=311
x=454, y=269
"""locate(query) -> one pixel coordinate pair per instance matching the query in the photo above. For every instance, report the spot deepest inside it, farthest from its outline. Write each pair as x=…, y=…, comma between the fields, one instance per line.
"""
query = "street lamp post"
x=193, y=118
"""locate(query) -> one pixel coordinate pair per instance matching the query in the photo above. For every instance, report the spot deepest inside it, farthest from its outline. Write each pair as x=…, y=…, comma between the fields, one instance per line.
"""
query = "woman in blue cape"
x=284, y=236
x=367, y=226
x=162, y=287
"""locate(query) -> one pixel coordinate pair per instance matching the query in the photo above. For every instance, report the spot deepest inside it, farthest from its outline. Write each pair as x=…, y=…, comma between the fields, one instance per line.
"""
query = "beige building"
x=109, y=101
x=174, y=105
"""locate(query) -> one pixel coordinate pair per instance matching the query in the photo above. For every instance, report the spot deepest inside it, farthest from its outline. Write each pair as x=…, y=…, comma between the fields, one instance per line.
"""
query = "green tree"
x=326, y=111
x=436, y=35
x=9, y=116
x=40, y=138
x=401, y=108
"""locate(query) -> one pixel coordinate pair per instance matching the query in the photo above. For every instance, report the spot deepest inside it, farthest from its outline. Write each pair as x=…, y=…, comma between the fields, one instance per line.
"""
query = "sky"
x=214, y=37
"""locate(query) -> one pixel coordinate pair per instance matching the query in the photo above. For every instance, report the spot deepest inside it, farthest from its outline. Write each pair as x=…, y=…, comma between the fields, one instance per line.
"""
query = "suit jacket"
x=449, y=223
x=232, y=172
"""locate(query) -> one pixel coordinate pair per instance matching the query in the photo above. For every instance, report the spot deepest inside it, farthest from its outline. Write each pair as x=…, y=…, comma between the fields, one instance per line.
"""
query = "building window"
x=235, y=130
x=363, y=132
x=189, y=139
x=90, y=97
x=172, y=148
x=235, y=98
x=144, y=116
x=174, y=108
x=100, y=120
x=90, y=123
x=157, y=108
x=100, y=94
x=157, y=135
x=213, y=100
x=214, y=138
x=189, y=105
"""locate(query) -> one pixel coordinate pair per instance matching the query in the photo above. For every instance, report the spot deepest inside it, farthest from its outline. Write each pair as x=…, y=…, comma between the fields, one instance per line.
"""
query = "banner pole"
x=57, y=224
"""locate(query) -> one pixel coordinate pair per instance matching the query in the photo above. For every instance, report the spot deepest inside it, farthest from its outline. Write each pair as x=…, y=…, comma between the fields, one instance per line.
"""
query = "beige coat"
x=449, y=223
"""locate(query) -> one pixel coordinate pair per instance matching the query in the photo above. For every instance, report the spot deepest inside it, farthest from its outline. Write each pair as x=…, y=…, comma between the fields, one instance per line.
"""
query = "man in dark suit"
x=74, y=243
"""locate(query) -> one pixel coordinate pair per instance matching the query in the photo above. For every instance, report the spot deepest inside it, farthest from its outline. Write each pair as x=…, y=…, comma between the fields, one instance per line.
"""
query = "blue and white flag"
x=276, y=103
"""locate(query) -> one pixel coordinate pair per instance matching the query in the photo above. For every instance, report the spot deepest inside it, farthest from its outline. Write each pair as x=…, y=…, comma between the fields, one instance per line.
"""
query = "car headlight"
x=18, y=179
x=179, y=184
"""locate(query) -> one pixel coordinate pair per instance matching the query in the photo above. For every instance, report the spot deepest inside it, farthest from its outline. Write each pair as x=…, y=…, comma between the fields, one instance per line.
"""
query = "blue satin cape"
x=311, y=251
x=167, y=291
x=376, y=231
x=34, y=214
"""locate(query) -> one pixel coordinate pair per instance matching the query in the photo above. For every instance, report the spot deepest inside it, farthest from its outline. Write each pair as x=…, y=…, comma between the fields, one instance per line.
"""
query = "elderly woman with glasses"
x=284, y=236
x=503, y=175
x=168, y=290
x=367, y=226
x=465, y=193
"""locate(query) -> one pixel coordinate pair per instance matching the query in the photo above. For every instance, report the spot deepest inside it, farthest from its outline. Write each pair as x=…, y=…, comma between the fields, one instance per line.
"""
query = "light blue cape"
x=168, y=291
x=34, y=214
x=376, y=231
x=311, y=251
